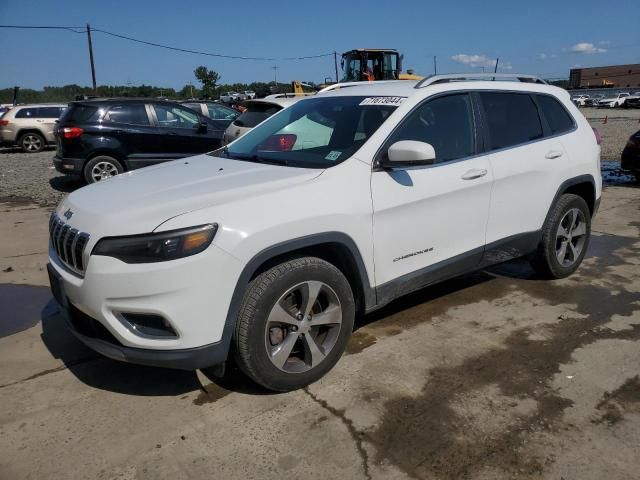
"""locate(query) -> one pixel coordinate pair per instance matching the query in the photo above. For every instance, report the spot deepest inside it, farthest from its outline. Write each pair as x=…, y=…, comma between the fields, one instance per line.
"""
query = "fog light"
x=68, y=166
x=147, y=325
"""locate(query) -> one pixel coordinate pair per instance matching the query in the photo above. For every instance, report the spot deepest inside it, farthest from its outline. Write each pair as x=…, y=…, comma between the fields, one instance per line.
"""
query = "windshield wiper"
x=256, y=159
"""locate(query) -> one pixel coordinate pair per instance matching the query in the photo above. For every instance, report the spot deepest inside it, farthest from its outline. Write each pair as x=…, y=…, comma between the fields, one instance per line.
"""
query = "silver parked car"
x=30, y=126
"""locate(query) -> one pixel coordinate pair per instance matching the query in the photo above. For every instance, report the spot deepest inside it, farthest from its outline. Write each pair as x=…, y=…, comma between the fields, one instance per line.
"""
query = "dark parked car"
x=100, y=138
x=217, y=113
x=631, y=156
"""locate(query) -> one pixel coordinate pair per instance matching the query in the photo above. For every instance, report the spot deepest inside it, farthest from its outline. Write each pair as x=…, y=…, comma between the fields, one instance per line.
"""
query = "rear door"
x=525, y=160
x=47, y=117
x=184, y=132
x=132, y=134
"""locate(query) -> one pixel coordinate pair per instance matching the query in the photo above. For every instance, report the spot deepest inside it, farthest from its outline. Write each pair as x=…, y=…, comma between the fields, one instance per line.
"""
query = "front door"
x=181, y=131
x=430, y=222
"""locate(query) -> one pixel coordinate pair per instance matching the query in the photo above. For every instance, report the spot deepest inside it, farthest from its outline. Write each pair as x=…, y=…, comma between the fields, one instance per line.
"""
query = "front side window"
x=175, y=117
x=132, y=114
x=512, y=119
x=446, y=123
x=313, y=133
x=556, y=115
x=194, y=106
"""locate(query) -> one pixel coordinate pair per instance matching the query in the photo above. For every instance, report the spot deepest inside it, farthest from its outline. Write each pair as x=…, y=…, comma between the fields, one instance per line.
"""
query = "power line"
x=167, y=47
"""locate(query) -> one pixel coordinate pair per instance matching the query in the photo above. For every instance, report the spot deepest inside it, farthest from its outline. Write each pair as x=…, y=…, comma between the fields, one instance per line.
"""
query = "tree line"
x=208, y=88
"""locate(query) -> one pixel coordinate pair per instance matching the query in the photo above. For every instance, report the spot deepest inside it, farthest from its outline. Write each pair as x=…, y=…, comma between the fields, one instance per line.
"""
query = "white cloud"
x=604, y=42
x=585, y=47
x=478, y=61
x=542, y=56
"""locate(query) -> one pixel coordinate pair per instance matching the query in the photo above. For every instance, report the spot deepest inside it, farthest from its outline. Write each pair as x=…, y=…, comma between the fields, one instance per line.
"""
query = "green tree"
x=208, y=79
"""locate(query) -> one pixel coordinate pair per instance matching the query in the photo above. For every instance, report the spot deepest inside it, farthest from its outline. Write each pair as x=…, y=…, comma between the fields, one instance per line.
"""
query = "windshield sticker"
x=393, y=101
x=333, y=155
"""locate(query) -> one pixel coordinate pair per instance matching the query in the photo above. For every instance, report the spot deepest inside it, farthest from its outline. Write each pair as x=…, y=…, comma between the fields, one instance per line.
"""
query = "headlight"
x=157, y=247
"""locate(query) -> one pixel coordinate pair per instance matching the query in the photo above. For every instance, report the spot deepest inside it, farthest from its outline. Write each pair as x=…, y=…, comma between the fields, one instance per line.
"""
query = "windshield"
x=314, y=133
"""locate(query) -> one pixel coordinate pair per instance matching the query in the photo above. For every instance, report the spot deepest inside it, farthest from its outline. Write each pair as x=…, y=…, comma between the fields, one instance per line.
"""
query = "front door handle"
x=551, y=154
x=473, y=174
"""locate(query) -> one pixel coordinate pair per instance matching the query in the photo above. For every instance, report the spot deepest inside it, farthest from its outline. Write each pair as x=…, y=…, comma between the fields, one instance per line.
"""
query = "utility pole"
x=191, y=88
x=495, y=70
x=275, y=77
x=435, y=66
x=335, y=63
x=93, y=67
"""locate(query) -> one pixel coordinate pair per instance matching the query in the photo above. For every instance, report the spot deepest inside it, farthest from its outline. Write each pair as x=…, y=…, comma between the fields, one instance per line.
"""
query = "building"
x=614, y=76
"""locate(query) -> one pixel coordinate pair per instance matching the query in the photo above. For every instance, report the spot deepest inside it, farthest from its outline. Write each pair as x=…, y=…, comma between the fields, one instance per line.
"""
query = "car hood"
x=141, y=200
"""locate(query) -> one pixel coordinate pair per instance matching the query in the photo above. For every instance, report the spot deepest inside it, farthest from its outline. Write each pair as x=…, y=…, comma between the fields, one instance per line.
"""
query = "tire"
x=32, y=142
x=273, y=343
x=101, y=168
x=563, y=238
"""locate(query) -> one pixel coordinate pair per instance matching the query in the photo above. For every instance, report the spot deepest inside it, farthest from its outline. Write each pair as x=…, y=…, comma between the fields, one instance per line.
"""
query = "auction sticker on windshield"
x=394, y=101
x=333, y=155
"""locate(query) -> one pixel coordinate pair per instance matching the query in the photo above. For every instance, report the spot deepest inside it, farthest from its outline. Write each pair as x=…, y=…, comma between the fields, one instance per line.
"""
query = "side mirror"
x=408, y=153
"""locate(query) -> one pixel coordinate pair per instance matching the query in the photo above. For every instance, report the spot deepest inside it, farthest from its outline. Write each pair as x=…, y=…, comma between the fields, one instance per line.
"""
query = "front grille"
x=69, y=243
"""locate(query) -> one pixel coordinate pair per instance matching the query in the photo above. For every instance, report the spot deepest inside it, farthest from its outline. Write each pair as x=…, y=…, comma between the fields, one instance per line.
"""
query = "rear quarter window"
x=559, y=120
x=80, y=114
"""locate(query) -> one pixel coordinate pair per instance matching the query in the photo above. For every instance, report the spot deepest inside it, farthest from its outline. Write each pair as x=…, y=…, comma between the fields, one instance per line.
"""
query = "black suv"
x=100, y=138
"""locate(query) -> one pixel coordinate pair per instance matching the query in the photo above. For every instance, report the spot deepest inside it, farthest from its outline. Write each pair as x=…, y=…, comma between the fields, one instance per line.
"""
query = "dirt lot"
x=493, y=375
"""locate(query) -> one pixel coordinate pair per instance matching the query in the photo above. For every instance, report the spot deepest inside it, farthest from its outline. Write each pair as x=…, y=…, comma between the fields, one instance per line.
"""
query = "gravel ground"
x=32, y=176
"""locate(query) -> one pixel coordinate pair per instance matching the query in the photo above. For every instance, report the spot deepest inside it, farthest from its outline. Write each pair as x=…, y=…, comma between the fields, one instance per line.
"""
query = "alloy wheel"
x=303, y=327
x=570, y=237
x=32, y=143
x=103, y=171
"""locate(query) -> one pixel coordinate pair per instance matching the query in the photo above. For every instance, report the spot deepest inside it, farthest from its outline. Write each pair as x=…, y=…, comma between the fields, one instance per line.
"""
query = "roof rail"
x=335, y=86
x=461, y=77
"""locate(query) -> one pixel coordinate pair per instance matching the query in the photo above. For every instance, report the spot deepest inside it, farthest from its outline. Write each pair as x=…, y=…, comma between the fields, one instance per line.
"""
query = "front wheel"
x=565, y=238
x=294, y=323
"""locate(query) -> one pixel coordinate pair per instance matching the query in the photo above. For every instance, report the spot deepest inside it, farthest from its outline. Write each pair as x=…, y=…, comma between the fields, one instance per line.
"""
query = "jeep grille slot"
x=69, y=244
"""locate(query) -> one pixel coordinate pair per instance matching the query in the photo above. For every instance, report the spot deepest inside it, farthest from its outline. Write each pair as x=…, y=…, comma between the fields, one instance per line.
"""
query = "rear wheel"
x=101, y=168
x=565, y=238
x=294, y=323
x=32, y=142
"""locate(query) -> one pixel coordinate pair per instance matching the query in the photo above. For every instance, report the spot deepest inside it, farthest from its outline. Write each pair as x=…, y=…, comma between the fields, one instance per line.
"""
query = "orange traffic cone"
x=606, y=117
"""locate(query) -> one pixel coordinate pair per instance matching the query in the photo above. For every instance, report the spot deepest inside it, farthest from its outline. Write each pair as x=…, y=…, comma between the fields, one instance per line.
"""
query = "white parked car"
x=613, y=101
x=249, y=94
x=269, y=251
x=230, y=97
x=580, y=100
x=257, y=111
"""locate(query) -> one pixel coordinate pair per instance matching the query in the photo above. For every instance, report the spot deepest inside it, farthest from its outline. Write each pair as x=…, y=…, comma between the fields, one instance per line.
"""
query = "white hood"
x=139, y=201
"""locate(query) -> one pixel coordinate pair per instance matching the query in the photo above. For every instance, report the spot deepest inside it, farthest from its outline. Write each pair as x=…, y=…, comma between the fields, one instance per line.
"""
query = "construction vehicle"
x=369, y=64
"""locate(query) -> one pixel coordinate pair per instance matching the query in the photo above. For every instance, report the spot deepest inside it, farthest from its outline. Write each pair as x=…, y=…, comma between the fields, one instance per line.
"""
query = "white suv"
x=269, y=247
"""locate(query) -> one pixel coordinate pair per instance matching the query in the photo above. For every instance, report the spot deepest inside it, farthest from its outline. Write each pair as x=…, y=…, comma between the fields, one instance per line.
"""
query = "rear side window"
x=78, y=113
x=556, y=115
x=132, y=114
x=446, y=123
x=27, y=113
x=512, y=119
x=256, y=113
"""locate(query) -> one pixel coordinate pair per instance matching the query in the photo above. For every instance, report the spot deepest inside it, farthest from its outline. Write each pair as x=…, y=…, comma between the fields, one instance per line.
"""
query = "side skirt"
x=496, y=252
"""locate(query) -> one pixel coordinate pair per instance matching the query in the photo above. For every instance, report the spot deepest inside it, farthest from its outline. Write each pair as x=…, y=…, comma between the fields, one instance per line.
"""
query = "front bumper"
x=192, y=295
x=70, y=166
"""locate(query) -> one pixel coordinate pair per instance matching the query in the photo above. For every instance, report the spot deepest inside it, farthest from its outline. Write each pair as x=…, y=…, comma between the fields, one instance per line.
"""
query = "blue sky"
x=542, y=37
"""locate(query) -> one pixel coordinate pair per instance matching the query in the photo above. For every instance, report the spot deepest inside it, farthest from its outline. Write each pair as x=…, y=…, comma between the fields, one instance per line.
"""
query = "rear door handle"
x=551, y=154
x=473, y=174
